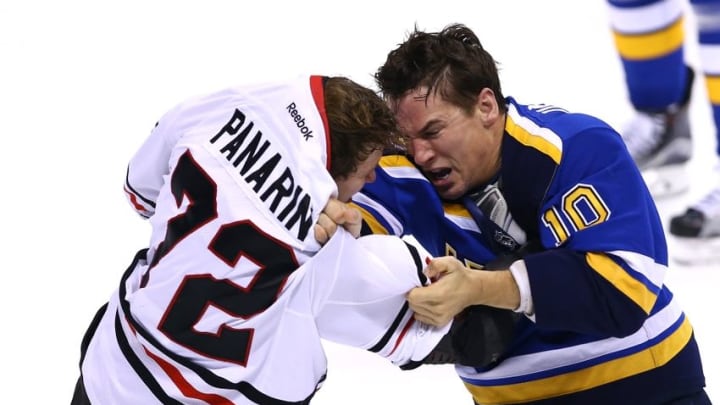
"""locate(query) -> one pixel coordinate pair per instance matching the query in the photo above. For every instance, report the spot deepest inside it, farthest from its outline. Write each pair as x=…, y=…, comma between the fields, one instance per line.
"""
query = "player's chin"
x=450, y=191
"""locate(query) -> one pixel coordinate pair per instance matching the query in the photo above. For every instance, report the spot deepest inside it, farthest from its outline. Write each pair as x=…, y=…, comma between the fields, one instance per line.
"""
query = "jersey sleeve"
x=609, y=256
x=366, y=306
x=386, y=203
x=149, y=165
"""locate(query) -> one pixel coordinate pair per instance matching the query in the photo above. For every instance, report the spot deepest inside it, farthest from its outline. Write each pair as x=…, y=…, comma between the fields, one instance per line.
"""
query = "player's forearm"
x=494, y=288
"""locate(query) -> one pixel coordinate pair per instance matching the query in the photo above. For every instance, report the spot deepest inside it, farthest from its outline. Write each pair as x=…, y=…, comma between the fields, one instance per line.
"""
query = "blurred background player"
x=649, y=37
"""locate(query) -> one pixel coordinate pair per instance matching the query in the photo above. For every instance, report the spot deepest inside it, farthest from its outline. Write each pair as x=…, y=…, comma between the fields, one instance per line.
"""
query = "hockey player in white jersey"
x=229, y=302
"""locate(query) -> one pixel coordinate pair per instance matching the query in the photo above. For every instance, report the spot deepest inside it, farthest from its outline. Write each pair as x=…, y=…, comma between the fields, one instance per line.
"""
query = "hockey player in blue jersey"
x=651, y=43
x=599, y=325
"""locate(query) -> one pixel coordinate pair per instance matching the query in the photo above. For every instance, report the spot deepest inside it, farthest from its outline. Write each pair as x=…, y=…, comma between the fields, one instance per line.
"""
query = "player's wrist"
x=496, y=288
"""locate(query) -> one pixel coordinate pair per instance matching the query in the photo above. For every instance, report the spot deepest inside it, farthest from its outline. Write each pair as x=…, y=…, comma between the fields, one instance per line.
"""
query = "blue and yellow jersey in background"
x=604, y=320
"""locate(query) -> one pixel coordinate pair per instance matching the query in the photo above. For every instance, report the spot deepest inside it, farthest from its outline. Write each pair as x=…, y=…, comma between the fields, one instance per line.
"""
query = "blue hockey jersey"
x=606, y=329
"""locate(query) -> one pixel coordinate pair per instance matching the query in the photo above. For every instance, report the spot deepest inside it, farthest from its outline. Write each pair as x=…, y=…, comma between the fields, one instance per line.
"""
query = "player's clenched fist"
x=439, y=302
x=337, y=213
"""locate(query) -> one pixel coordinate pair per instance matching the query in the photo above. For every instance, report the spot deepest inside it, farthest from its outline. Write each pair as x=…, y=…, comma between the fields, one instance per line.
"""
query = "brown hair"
x=360, y=122
x=451, y=62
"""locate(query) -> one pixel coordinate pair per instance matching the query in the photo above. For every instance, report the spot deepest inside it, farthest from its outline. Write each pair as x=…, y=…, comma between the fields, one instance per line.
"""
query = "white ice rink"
x=83, y=82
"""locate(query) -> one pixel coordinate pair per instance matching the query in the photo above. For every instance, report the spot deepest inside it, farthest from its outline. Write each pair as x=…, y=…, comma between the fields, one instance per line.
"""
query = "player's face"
x=365, y=173
x=456, y=150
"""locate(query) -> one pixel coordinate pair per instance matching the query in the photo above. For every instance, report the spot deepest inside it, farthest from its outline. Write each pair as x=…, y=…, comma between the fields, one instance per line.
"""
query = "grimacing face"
x=365, y=173
x=456, y=150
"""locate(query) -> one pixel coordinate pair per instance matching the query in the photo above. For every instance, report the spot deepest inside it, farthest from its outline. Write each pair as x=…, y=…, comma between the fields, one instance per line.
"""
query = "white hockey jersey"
x=230, y=302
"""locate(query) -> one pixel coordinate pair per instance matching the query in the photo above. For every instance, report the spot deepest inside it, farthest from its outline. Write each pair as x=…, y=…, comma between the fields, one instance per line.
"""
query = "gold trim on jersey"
x=534, y=140
x=650, y=45
x=712, y=85
x=456, y=209
x=587, y=378
x=618, y=277
x=369, y=219
x=395, y=161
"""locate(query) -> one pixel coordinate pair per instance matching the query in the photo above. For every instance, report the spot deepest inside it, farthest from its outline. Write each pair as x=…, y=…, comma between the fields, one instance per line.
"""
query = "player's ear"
x=487, y=106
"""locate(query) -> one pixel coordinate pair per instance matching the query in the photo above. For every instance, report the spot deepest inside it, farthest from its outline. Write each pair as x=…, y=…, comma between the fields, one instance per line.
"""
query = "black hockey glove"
x=478, y=337
x=480, y=334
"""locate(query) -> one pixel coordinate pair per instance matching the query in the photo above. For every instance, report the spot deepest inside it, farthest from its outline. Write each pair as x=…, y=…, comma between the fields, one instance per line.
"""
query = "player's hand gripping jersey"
x=229, y=303
x=603, y=318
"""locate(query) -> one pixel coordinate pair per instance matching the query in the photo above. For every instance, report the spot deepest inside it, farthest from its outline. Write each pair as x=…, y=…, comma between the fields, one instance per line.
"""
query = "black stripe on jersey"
x=243, y=387
x=130, y=187
x=386, y=337
x=90, y=332
x=419, y=265
x=137, y=365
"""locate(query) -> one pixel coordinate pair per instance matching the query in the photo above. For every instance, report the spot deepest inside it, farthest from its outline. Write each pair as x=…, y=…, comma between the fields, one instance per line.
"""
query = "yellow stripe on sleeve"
x=712, y=84
x=616, y=275
x=651, y=45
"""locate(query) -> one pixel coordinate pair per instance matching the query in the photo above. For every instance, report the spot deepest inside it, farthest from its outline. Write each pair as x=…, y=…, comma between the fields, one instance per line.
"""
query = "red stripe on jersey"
x=134, y=201
x=402, y=335
x=180, y=382
x=318, y=93
x=184, y=386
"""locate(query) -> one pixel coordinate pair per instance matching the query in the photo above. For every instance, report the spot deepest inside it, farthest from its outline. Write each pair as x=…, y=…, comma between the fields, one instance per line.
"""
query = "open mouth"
x=438, y=175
